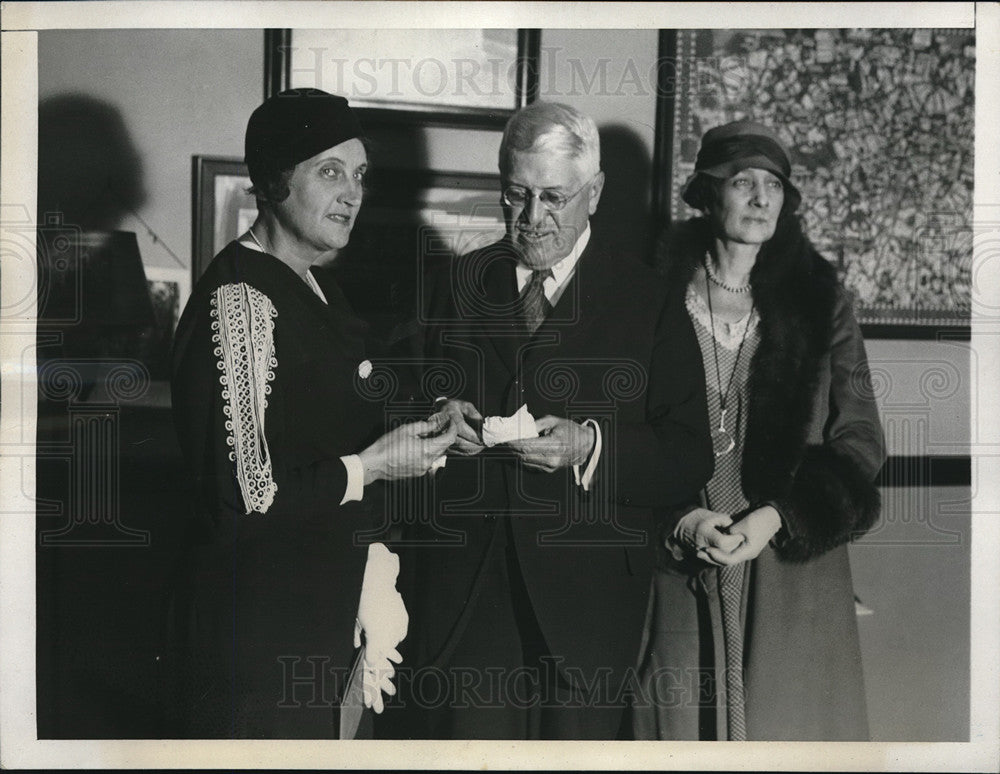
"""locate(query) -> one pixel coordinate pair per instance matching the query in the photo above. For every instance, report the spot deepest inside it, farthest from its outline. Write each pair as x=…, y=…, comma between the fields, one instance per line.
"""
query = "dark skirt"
x=265, y=637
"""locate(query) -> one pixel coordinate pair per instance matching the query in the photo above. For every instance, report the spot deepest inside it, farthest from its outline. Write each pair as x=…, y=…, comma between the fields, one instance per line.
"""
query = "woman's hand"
x=409, y=450
x=468, y=423
x=701, y=530
x=754, y=530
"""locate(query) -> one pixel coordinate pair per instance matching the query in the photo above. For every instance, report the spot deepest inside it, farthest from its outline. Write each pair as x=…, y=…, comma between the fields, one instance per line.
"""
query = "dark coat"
x=273, y=588
x=610, y=351
x=813, y=449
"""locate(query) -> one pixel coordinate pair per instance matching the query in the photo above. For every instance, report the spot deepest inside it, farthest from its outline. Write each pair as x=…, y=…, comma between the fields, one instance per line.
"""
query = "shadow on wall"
x=88, y=168
x=99, y=580
x=624, y=217
x=378, y=269
x=92, y=289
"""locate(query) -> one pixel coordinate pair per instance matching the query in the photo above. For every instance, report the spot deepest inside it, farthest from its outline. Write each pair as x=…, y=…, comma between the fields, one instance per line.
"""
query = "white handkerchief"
x=503, y=429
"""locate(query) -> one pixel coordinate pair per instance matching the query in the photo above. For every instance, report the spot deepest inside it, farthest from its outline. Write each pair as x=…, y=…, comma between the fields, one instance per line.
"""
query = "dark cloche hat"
x=294, y=126
x=733, y=147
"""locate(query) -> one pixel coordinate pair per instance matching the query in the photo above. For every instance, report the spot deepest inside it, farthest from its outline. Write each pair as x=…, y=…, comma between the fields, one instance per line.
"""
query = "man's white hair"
x=552, y=126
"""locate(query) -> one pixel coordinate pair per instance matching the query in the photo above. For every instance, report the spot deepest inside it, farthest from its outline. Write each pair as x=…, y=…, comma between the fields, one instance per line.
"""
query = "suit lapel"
x=571, y=320
x=580, y=305
x=501, y=321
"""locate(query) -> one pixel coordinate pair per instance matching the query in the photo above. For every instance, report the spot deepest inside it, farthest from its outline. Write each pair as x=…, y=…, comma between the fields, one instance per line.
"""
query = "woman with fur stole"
x=752, y=630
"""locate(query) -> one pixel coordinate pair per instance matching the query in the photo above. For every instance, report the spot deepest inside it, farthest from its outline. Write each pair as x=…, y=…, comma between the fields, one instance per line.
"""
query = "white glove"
x=383, y=619
x=376, y=673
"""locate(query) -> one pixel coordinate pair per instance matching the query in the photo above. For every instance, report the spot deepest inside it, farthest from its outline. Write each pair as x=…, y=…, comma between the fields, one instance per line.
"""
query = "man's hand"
x=409, y=450
x=468, y=422
x=560, y=444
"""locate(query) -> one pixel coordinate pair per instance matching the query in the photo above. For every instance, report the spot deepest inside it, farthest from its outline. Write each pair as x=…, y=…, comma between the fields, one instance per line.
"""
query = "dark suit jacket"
x=610, y=351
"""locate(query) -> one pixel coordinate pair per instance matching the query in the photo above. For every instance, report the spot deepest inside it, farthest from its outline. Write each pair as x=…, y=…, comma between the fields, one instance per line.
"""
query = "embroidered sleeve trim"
x=243, y=332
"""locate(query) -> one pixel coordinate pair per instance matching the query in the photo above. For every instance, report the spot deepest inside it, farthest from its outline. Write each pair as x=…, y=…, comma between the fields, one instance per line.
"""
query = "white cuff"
x=355, y=479
x=587, y=476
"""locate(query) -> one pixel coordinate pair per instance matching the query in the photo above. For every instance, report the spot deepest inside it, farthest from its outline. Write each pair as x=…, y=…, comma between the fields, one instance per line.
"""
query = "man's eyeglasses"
x=551, y=199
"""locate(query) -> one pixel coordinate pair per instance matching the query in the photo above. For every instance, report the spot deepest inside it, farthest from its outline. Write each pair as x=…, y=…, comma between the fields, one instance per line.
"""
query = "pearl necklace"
x=309, y=279
x=722, y=440
x=256, y=241
x=716, y=281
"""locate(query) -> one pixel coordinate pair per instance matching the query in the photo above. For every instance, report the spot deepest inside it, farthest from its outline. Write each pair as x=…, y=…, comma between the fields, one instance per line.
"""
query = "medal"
x=722, y=440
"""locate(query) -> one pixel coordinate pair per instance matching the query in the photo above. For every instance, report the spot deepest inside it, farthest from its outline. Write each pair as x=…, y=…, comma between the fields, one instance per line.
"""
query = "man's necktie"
x=534, y=305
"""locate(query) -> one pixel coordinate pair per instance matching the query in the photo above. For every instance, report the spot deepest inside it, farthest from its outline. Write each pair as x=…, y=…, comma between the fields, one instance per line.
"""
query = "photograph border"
x=21, y=747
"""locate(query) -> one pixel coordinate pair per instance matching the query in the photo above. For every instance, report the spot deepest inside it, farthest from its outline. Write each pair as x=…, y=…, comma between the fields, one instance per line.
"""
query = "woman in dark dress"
x=284, y=438
x=753, y=633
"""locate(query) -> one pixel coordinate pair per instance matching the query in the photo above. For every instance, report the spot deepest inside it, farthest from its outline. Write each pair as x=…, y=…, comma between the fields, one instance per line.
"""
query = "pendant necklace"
x=308, y=279
x=256, y=241
x=722, y=439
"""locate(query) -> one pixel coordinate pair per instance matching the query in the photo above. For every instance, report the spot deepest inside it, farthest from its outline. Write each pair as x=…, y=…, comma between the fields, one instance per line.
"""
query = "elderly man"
x=532, y=573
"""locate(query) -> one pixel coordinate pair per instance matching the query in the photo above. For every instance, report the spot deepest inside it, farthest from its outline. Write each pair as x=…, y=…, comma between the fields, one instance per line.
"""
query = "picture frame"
x=455, y=79
x=411, y=222
x=902, y=246
x=410, y=219
x=169, y=290
x=221, y=207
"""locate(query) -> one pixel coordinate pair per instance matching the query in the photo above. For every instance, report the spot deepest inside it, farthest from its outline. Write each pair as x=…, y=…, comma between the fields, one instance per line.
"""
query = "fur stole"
x=823, y=496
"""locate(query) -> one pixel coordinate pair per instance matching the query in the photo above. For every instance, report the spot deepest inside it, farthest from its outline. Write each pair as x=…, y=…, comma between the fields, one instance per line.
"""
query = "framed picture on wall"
x=169, y=289
x=879, y=123
x=408, y=220
x=448, y=77
x=222, y=208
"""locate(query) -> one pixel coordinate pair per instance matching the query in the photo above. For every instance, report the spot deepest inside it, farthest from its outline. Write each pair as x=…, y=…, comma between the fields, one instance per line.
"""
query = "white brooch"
x=365, y=369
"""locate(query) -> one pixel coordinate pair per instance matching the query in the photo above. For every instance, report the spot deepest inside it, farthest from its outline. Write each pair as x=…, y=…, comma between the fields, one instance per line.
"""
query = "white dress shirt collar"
x=561, y=272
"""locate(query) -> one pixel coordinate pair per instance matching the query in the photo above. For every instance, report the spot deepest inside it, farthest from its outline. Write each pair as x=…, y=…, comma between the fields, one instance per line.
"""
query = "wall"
x=587, y=69
x=924, y=391
x=180, y=93
x=186, y=92
x=910, y=570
